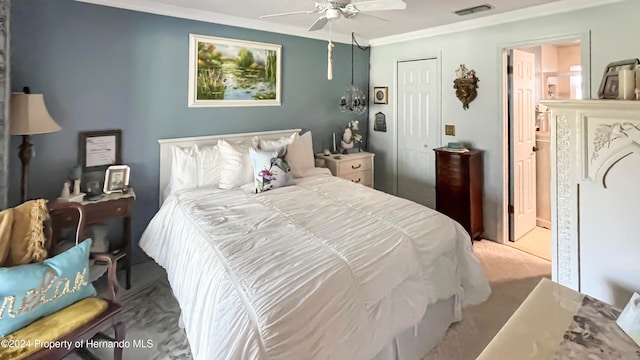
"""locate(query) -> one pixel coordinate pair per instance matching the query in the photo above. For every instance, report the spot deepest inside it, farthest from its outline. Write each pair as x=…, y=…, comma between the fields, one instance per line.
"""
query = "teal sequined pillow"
x=270, y=170
x=29, y=292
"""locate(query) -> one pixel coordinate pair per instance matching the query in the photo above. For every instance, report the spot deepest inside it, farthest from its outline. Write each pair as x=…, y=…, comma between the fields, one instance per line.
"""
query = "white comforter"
x=326, y=269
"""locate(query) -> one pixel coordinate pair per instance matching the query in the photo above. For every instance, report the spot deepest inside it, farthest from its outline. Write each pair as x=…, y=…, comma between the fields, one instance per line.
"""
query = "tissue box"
x=629, y=320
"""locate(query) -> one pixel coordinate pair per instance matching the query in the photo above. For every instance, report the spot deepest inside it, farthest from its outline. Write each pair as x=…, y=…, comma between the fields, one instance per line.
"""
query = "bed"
x=324, y=269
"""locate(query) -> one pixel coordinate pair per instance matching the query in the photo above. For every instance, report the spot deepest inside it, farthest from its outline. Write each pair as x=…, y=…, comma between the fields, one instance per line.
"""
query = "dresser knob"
x=356, y=167
x=119, y=209
x=356, y=181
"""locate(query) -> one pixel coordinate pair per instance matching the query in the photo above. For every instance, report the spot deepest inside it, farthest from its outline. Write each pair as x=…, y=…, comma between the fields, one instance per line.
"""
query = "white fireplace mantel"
x=589, y=141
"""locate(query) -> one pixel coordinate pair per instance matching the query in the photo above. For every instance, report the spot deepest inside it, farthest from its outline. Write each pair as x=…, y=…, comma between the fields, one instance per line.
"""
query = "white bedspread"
x=326, y=269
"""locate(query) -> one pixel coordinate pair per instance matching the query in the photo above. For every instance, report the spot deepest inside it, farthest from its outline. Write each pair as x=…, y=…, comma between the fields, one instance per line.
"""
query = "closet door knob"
x=535, y=148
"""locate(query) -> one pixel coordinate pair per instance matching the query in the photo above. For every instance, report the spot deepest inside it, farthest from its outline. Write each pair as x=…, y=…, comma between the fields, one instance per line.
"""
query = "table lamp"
x=28, y=116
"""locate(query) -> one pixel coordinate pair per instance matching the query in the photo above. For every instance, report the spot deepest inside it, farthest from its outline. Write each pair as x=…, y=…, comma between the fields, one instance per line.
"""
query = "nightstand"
x=356, y=167
x=111, y=206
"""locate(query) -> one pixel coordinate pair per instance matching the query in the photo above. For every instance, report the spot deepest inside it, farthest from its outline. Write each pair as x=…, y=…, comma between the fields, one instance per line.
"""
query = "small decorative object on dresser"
x=116, y=179
x=356, y=167
x=466, y=84
x=459, y=186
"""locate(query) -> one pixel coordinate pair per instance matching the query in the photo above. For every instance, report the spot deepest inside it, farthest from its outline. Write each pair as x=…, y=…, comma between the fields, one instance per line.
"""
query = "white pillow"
x=273, y=145
x=300, y=154
x=184, y=168
x=236, y=169
x=209, y=165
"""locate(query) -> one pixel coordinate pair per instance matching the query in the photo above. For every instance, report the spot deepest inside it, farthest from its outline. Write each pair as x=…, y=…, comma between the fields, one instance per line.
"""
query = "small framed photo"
x=97, y=150
x=381, y=95
x=116, y=179
x=609, y=89
x=609, y=83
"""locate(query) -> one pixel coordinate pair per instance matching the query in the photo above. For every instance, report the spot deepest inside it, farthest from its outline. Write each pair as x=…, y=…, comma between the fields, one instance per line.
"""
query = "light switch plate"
x=450, y=130
x=629, y=320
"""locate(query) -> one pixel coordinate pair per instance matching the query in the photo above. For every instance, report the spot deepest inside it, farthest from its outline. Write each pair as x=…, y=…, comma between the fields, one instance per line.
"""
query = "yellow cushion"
x=30, y=339
x=6, y=222
x=27, y=234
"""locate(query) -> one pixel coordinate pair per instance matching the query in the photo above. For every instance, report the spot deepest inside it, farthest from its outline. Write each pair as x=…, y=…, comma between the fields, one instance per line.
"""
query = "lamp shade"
x=29, y=115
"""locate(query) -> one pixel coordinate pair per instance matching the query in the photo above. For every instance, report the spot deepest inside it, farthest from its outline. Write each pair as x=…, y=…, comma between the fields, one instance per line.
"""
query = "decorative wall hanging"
x=466, y=84
x=380, y=122
x=97, y=150
x=227, y=72
x=381, y=95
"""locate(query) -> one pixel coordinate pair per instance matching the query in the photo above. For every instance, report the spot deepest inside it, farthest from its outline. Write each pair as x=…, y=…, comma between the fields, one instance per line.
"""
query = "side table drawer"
x=355, y=165
x=360, y=177
x=108, y=209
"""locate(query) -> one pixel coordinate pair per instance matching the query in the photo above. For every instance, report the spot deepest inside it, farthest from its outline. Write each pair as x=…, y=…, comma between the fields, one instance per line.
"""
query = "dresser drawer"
x=355, y=165
x=360, y=177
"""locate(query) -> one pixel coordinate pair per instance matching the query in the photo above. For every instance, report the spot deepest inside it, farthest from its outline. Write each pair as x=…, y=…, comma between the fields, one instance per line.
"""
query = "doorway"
x=418, y=129
x=550, y=71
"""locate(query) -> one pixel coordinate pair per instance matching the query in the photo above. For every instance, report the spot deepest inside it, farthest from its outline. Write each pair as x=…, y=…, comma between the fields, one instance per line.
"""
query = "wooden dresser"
x=459, y=185
x=357, y=167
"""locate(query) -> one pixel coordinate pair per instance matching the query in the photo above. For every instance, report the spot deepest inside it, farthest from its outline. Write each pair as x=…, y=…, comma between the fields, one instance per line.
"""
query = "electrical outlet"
x=450, y=130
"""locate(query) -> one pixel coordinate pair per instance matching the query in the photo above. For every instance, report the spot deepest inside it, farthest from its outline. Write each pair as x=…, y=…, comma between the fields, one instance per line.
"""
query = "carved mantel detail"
x=608, y=141
x=565, y=205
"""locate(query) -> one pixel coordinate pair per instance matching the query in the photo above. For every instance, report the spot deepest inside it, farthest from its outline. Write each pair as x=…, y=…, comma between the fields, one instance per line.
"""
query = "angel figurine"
x=65, y=190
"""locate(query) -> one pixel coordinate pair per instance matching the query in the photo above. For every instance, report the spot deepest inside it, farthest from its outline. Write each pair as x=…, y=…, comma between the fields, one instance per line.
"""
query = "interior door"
x=524, y=141
x=418, y=130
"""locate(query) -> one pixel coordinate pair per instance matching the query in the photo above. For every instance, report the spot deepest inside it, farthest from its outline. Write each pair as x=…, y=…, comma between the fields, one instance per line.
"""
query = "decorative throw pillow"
x=236, y=167
x=29, y=292
x=300, y=154
x=27, y=233
x=270, y=170
x=6, y=222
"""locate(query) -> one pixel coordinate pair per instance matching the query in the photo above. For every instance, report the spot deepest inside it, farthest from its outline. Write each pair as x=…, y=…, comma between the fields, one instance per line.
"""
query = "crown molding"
x=492, y=20
x=157, y=8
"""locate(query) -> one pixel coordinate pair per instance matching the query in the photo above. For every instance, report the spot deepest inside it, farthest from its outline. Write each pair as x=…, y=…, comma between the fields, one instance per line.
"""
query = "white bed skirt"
x=415, y=343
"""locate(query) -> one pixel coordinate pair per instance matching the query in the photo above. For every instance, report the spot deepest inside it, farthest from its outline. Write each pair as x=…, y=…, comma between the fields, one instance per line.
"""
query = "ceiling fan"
x=332, y=10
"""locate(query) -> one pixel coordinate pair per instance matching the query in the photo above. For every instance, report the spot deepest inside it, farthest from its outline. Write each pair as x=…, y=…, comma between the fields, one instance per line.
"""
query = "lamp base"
x=25, y=153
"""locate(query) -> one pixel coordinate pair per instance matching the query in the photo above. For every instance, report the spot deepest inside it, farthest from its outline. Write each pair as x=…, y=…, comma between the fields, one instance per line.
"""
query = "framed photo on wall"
x=381, y=95
x=97, y=150
x=228, y=72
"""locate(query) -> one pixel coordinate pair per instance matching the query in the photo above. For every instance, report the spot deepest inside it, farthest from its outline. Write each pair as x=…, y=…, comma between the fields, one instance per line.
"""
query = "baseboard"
x=543, y=223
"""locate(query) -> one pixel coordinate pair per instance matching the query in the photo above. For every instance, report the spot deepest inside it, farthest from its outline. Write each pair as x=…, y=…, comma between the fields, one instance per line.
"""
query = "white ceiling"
x=419, y=15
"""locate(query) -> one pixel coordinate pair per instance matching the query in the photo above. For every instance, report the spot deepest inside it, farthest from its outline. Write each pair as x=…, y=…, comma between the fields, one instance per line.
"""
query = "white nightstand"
x=357, y=167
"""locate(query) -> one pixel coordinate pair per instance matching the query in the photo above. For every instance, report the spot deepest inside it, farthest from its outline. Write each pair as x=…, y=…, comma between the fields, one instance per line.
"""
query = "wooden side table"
x=355, y=167
x=111, y=206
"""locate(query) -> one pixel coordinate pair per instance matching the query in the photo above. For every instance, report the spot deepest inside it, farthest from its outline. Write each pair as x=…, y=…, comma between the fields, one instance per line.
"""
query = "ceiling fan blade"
x=289, y=13
x=319, y=24
x=372, y=16
x=377, y=5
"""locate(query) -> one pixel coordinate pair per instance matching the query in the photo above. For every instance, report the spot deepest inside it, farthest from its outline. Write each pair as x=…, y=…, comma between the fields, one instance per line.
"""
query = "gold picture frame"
x=381, y=95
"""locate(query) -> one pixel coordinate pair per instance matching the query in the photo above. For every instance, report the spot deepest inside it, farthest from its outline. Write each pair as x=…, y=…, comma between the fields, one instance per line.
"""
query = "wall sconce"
x=465, y=84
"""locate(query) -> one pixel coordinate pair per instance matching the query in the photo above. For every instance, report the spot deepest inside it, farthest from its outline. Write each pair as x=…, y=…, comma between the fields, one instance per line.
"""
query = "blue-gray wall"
x=106, y=68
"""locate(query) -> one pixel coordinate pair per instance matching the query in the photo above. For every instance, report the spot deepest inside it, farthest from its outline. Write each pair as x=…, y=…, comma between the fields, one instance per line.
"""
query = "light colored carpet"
x=151, y=312
x=512, y=274
x=536, y=242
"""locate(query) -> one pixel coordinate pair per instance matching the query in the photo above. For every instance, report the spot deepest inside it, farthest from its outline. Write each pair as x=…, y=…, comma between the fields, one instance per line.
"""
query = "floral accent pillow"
x=270, y=170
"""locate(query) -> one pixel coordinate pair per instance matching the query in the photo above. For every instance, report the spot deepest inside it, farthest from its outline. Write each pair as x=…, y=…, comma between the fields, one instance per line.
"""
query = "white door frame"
x=503, y=207
x=438, y=99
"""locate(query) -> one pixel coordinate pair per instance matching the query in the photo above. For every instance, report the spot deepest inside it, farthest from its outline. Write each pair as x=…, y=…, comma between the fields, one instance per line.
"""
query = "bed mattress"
x=326, y=269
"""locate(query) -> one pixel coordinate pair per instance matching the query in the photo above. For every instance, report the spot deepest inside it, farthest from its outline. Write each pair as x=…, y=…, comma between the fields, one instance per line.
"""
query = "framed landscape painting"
x=227, y=72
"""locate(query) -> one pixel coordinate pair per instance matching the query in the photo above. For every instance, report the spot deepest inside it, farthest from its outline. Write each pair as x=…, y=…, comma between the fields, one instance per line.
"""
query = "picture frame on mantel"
x=609, y=84
x=97, y=150
x=228, y=72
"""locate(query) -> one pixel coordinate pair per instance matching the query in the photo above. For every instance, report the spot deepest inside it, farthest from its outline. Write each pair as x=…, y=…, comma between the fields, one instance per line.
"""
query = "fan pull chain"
x=330, y=55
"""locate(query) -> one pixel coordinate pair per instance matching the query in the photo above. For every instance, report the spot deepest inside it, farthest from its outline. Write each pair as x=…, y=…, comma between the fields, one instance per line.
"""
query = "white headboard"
x=166, y=144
